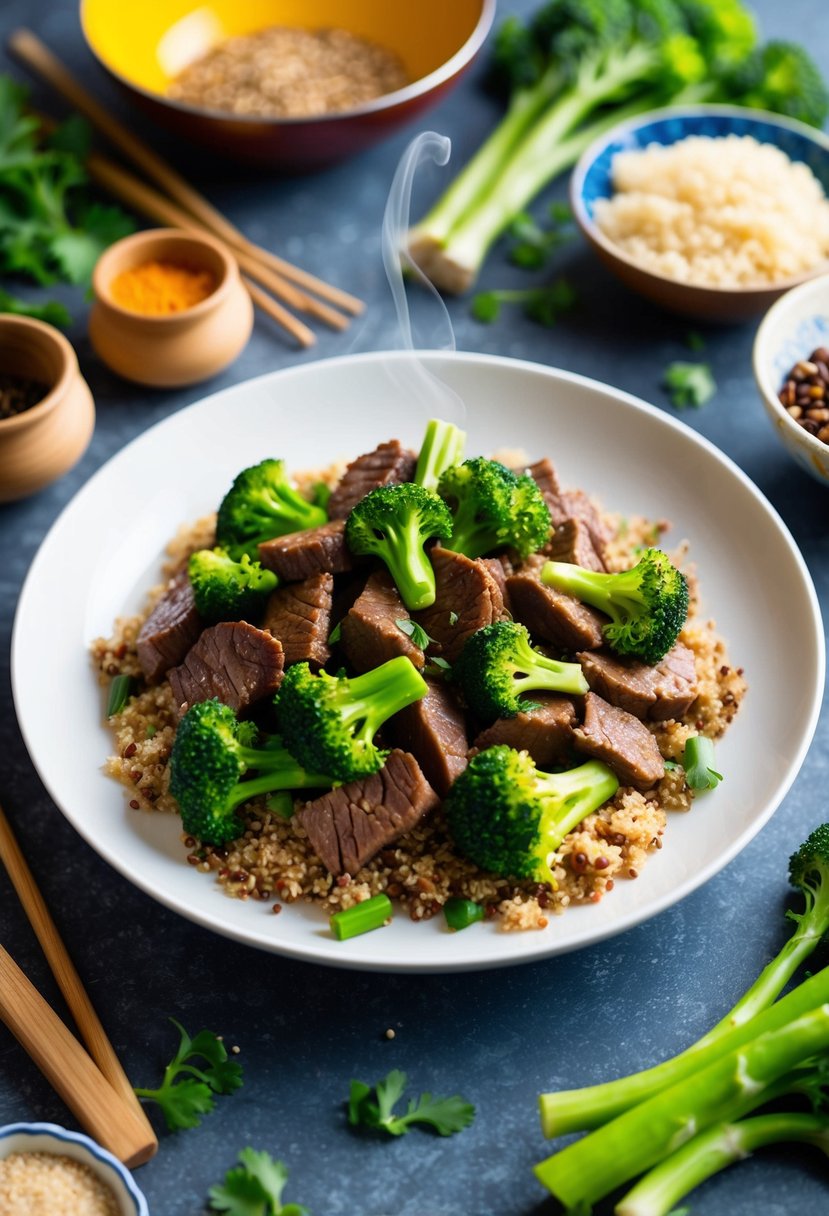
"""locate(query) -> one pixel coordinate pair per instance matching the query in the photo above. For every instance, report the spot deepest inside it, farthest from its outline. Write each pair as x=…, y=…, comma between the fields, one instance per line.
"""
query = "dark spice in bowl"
x=19, y=393
x=805, y=393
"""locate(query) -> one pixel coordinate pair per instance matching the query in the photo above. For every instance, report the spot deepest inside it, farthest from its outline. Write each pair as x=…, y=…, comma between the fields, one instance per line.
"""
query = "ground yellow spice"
x=158, y=288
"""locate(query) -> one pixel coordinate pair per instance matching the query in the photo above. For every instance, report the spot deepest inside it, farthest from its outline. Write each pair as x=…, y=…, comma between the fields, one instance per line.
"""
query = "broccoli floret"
x=508, y=817
x=498, y=665
x=442, y=447
x=647, y=604
x=262, y=504
x=779, y=76
x=492, y=507
x=809, y=872
x=225, y=590
x=212, y=752
x=329, y=722
x=394, y=523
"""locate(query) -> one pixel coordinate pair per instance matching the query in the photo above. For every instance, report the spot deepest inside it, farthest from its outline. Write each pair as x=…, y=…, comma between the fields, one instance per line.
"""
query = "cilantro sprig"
x=254, y=1188
x=542, y=304
x=689, y=383
x=533, y=244
x=373, y=1106
x=187, y=1090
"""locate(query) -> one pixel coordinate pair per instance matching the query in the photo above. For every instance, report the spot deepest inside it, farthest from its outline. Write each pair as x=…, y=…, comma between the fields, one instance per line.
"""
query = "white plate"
x=104, y=551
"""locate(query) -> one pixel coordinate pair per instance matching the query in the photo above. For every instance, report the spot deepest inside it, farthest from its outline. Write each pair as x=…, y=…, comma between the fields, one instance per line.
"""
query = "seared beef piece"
x=299, y=615
x=546, y=732
x=434, y=730
x=387, y=465
x=667, y=690
x=370, y=634
x=299, y=555
x=620, y=740
x=500, y=568
x=570, y=542
x=347, y=826
x=553, y=616
x=232, y=661
x=544, y=476
x=467, y=594
x=170, y=630
x=569, y=504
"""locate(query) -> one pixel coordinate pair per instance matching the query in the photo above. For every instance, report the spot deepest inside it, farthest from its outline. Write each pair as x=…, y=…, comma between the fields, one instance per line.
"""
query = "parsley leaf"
x=542, y=304
x=373, y=1106
x=184, y=1100
x=534, y=245
x=414, y=631
x=254, y=1188
x=689, y=383
x=52, y=311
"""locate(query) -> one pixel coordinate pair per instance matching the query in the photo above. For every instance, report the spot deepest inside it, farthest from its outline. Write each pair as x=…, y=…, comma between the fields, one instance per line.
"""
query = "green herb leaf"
x=53, y=312
x=254, y=1188
x=373, y=1107
x=185, y=1094
x=335, y=634
x=542, y=304
x=533, y=244
x=453, y=618
x=486, y=306
x=694, y=341
x=414, y=631
x=689, y=383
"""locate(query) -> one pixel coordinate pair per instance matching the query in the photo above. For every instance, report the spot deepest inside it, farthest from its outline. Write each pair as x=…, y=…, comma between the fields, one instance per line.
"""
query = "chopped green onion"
x=461, y=913
x=120, y=691
x=361, y=918
x=281, y=803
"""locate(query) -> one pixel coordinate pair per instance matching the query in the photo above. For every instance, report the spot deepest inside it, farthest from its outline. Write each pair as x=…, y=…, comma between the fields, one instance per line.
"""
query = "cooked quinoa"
x=48, y=1184
x=273, y=861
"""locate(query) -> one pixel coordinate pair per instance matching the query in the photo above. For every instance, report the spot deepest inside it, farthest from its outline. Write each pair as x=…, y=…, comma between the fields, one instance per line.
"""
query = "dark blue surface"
x=304, y=1032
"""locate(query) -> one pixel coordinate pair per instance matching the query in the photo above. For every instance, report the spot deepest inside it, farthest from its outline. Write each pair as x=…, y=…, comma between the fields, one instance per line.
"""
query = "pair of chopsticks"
x=94, y=1086
x=268, y=278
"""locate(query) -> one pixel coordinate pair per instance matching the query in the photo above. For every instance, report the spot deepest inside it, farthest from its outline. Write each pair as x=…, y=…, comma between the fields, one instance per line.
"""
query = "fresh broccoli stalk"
x=580, y=1109
x=226, y=590
x=647, y=604
x=442, y=447
x=329, y=722
x=212, y=752
x=394, y=523
x=509, y=817
x=492, y=507
x=498, y=664
x=262, y=504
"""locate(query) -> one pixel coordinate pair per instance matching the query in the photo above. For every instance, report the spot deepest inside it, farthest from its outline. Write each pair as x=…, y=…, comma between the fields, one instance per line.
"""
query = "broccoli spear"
x=509, y=817
x=492, y=508
x=394, y=523
x=262, y=504
x=647, y=604
x=498, y=665
x=442, y=447
x=225, y=590
x=212, y=752
x=329, y=722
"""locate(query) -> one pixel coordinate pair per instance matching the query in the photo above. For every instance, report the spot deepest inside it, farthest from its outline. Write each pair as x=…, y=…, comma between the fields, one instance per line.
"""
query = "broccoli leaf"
x=254, y=1188
x=689, y=383
x=185, y=1099
x=373, y=1107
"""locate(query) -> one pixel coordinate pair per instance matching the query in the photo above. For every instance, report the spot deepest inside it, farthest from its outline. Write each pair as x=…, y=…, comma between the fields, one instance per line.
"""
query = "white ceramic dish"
x=104, y=551
x=58, y=1141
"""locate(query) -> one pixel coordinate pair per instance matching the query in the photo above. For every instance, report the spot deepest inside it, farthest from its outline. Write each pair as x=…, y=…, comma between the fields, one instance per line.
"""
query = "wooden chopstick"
x=69, y=982
x=101, y=1111
x=28, y=48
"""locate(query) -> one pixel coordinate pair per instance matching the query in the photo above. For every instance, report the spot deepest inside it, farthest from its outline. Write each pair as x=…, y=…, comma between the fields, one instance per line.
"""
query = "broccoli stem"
x=408, y=562
x=442, y=448
x=368, y=700
x=534, y=672
x=604, y=592
x=589, y=1169
x=573, y=795
x=664, y=1186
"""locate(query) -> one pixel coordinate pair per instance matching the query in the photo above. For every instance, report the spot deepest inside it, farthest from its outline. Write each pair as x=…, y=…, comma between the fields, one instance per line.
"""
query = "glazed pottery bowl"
x=177, y=348
x=44, y=441
x=58, y=1141
x=144, y=46
x=592, y=180
x=792, y=328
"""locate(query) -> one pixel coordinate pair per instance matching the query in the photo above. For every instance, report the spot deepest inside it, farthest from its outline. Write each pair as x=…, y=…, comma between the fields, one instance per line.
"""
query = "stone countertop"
x=498, y=1037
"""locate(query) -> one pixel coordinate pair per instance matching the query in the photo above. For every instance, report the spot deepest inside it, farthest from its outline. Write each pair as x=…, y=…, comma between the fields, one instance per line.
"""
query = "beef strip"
x=621, y=741
x=389, y=464
x=666, y=690
x=546, y=732
x=299, y=555
x=299, y=615
x=553, y=616
x=433, y=729
x=570, y=504
x=545, y=477
x=570, y=541
x=500, y=568
x=370, y=635
x=349, y=825
x=233, y=661
x=468, y=597
x=170, y=630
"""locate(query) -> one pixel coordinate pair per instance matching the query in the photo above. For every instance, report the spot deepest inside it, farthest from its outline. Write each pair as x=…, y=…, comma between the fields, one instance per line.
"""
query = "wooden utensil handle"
x=98, y=1108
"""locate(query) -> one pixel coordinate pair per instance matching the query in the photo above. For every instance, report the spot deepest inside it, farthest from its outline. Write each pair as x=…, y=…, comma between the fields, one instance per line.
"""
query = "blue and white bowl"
x=592, y=180
x=792, y=328
x=49, y=1138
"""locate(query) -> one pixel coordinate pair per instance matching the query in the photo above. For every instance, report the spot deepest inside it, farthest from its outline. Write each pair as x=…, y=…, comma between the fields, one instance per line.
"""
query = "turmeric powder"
x=157, y=288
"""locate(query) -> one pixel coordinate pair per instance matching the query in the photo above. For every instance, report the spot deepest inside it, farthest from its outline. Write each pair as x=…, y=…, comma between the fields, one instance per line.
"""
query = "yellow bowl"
x=144, y=46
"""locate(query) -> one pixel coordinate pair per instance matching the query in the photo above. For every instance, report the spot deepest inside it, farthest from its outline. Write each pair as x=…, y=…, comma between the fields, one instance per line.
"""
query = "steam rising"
x=437, y=398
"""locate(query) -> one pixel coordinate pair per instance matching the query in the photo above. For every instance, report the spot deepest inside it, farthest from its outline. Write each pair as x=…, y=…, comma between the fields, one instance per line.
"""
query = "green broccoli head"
x=493, y=508
x=725, y=30
x=782, y=77
x=647, y=605
x=226, y=590
x=212, y=752
x=509, y=817
x=394, y=523
x=809, y=872
x=498, y=664
x=262, y=504
x=329, y=722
